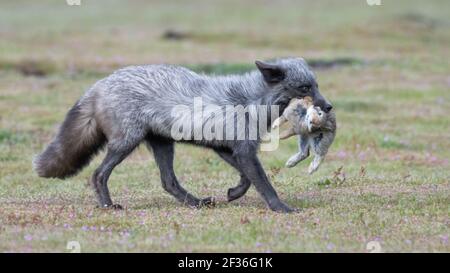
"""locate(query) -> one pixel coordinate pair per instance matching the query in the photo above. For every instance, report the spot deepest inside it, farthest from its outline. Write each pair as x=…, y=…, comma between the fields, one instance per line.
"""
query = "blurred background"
x=384, y=67
x=107, y=34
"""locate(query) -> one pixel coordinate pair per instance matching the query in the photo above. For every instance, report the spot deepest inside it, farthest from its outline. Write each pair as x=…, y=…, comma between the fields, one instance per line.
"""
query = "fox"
x=315, y=129
x=134, y=105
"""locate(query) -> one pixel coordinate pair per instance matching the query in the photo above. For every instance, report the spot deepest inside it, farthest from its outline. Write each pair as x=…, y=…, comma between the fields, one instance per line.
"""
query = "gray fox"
x=134, y=105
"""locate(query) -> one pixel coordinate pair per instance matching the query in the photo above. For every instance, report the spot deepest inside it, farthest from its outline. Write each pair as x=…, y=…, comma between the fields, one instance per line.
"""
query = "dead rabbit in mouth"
x=315, y=129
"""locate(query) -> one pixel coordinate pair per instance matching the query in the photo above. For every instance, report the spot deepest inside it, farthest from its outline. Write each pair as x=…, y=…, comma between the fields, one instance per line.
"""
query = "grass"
x=386, y=177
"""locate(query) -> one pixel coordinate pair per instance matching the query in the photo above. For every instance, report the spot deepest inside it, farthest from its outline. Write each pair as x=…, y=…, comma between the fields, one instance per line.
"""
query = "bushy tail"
x=78, y=139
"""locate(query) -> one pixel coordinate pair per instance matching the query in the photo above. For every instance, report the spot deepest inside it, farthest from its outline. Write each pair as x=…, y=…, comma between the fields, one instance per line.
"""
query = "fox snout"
x=324, y=105
x=320, y=101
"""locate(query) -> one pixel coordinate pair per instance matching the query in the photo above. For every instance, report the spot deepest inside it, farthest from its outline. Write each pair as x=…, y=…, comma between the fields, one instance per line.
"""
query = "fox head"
x=294, y=77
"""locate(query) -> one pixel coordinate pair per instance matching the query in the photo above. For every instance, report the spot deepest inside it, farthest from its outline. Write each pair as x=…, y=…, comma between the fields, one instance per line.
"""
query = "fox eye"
x=304, y=88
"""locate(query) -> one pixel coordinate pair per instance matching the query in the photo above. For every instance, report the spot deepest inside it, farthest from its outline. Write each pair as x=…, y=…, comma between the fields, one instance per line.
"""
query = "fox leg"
x=163, y=151
x=101, y=175
x=244, y=184
x=245, y=155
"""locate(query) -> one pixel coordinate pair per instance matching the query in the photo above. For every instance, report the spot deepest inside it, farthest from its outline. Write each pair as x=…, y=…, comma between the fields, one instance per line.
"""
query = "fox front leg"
x=246, y=158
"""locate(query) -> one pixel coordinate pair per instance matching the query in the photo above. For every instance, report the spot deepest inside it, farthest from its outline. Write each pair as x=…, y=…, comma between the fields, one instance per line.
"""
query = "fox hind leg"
x=241, y=189
x=163, y=151
x=101, y=175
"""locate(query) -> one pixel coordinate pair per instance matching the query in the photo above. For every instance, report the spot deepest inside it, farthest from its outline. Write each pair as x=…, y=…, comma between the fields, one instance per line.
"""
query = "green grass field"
x=386, y=177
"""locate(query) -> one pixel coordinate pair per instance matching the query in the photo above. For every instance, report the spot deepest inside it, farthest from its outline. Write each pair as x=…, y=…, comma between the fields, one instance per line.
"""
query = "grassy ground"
x=386, y=178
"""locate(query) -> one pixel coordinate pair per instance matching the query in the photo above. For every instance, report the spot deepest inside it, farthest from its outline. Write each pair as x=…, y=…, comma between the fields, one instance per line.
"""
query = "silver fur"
x=135, y=104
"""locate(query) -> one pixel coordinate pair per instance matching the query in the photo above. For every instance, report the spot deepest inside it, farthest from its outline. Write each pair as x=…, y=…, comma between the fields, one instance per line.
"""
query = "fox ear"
x=272, y=73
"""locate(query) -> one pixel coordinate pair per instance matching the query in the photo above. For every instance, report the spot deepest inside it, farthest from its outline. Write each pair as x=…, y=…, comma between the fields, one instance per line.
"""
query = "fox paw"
x=113, y=207
x=207, y=202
